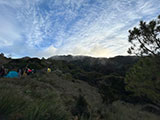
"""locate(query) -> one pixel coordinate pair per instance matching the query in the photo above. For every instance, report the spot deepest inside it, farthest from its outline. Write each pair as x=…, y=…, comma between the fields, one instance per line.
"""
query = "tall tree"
x=143, y=79
x=145, y=39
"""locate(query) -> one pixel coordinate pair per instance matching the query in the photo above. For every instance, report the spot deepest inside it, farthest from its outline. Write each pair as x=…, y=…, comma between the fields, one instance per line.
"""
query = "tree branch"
x=145, y=47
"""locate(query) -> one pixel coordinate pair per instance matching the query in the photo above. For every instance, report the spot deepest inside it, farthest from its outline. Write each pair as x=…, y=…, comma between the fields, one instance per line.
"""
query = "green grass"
x=124, y=111
x=22, y=99
x=51, y=97
x=44, y=110
x=11, y=102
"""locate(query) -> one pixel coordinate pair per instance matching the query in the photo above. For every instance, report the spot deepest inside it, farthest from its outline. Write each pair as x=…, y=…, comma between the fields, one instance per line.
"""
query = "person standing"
x=2, y=71
x=48, y=70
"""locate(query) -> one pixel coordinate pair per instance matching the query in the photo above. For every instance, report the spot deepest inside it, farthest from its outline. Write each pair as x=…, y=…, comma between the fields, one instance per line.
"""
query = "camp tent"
x=12, y=74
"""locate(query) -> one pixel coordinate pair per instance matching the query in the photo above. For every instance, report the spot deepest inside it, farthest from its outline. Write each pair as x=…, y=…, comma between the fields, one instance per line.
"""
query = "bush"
x=144, y=79
x=81, y=108
x=45, y=110
x=112, y=88
x=12, y=104
x=119, y=110
x=30, y=100
x=16, y=107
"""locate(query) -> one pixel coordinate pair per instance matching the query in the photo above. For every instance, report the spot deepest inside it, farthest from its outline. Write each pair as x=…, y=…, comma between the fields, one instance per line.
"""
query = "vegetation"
x=145, y=39
x=144, y=79
x=19, y=101
x=112, y=88
x=75, y=89
x=81, y=108
x=86, y=88
x=119, y=110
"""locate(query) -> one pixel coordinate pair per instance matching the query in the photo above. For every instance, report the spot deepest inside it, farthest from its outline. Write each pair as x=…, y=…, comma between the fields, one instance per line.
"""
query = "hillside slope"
x=88, y=88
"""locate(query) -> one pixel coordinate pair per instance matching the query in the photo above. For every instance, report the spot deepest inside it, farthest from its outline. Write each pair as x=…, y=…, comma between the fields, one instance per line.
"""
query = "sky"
x=44, y=28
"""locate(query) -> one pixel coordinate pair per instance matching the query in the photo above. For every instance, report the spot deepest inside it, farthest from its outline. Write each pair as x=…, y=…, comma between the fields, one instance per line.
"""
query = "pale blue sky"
x=96, y=28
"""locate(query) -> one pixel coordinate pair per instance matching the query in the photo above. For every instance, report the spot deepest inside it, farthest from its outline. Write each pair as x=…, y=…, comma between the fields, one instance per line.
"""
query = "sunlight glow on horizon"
x=44, y=28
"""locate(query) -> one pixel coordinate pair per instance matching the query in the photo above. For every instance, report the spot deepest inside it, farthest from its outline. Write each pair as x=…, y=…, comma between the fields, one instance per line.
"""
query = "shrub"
x=119, y=110
x=112, y=88
x=11, y=102
x=144, y=79
x=45, y=110
x=81, y=108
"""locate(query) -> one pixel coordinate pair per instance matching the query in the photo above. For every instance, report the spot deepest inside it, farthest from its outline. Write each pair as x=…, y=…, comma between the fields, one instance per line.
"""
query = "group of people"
x=15, y=73
x=18, y=73
x=25, y=72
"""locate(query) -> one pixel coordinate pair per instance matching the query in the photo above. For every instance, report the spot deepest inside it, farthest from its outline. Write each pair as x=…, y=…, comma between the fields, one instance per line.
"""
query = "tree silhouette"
x=145, y=39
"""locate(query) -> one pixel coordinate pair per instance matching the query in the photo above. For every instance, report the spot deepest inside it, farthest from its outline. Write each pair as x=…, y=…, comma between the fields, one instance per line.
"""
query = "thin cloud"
x=46, y=28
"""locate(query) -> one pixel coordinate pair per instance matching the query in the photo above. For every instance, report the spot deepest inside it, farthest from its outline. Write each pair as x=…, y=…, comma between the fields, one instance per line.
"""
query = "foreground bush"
x=11, y=102
x=34, y=104
x=45, y=110
x=119, y=110
x=144, y=79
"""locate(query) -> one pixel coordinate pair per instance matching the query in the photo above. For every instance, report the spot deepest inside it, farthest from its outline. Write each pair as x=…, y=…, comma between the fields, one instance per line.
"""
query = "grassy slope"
x=58, y=91
x=69, y=89
x=41, y=85
x=64, y=91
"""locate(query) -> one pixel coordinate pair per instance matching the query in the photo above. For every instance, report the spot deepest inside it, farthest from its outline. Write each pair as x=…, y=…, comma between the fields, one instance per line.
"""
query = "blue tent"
x=12, y=74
